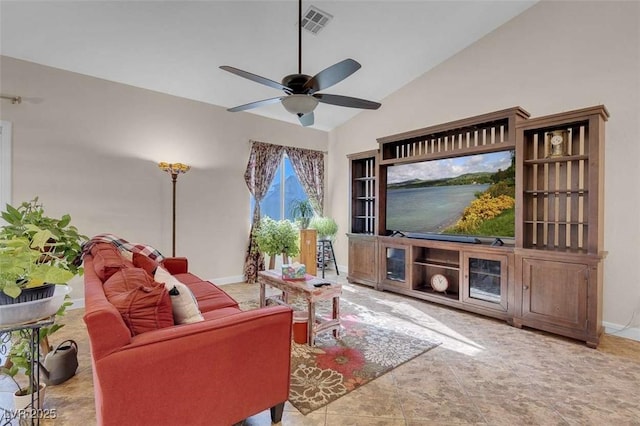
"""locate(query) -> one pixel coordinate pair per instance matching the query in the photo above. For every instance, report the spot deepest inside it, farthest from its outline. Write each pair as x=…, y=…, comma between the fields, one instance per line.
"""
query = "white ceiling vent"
x=315, y=19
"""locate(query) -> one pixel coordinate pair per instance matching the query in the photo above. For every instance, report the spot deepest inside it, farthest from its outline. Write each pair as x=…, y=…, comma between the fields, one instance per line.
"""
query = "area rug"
x=375, y=338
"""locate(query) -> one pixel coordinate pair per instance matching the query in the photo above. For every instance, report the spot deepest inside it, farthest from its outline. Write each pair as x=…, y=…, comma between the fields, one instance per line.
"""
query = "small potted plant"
x=277, y=237
x=20, y=355
x=302, y=212
x=327, y=227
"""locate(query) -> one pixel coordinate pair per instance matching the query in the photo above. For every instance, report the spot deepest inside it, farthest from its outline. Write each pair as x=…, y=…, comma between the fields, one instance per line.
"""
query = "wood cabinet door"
x=555, y=292
x=362, y=260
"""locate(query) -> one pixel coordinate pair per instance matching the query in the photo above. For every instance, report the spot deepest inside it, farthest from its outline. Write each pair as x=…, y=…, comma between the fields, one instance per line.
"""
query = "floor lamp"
x=174, y=169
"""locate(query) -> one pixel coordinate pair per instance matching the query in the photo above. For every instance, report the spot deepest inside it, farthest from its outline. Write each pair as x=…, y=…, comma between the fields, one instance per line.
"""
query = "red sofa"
x=219, y=371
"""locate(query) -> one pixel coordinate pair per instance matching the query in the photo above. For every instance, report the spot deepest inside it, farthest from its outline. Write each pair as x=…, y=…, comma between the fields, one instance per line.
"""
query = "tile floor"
x=484, y=373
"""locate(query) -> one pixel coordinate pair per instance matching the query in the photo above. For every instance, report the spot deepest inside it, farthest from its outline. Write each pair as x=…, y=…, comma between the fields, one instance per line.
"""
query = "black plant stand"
x=30, y=331
x=326, y=255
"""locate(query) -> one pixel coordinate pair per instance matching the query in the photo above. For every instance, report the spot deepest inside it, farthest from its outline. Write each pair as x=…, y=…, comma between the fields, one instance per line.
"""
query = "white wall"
x=89, y=147
x=556, y=56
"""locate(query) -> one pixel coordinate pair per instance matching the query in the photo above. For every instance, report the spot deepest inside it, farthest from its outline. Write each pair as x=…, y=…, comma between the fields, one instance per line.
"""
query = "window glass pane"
x=271, y=203
x=292, y=188
x=284, y=189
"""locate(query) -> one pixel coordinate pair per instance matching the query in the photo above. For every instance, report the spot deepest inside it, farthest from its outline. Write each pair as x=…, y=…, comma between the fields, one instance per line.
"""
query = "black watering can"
x=61, y=363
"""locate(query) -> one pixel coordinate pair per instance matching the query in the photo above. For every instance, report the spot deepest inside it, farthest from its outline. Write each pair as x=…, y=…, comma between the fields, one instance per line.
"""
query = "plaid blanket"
x=122, y=245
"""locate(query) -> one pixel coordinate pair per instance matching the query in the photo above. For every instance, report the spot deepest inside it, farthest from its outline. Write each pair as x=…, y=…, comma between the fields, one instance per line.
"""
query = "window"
x=5, y=165
x=284, y=189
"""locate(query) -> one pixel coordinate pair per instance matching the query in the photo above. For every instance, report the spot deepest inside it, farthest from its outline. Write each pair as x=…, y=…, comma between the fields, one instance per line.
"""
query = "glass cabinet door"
x=486, y=280
x=395, y=264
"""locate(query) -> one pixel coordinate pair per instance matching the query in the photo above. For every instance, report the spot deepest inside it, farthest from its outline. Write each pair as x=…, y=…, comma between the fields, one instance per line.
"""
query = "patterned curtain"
x=261, y=169
x=309, y=166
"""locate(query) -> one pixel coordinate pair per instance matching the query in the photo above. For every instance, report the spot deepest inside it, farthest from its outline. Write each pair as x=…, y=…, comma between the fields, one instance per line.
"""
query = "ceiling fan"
x=301, y=91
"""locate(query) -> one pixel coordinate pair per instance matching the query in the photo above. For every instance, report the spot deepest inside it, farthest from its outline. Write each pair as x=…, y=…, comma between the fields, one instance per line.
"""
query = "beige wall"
x=89, y=147
x=556, y=56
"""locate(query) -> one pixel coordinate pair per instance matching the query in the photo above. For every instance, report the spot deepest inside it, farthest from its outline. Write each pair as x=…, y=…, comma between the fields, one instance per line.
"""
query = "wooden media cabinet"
x=549, y=275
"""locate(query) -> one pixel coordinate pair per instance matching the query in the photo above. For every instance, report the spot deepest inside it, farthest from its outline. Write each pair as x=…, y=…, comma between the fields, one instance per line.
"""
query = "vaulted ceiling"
x=176, y=47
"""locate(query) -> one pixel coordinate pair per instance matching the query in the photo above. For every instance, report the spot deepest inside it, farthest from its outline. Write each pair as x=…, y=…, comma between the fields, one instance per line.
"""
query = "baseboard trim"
x=228, y=280
x=632, y=333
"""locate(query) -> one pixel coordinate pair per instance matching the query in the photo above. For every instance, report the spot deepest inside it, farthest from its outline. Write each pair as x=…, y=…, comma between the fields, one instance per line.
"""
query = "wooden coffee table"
x=311, y=294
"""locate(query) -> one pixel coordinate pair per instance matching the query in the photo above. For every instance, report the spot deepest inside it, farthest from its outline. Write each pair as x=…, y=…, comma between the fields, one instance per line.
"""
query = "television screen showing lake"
x=428, y=209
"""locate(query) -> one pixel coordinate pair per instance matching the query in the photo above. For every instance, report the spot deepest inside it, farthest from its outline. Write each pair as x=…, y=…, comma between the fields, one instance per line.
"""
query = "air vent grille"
x=315, y=19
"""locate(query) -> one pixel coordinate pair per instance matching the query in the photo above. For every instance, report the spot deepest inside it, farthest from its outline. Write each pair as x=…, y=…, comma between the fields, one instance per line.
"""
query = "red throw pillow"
x=106, y=263
x=143, y=304
x=144, y=262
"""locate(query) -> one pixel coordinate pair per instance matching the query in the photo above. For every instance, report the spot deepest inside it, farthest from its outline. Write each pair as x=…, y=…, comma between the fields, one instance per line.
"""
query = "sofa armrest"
x=176, y=265
x=232, y=365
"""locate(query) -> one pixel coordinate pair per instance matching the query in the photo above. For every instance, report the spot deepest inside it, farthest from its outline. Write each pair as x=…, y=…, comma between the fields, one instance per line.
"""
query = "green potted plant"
x=23, y=268
x=277, y=237
x=36, y=249
x=327, y=227
x=59, y=241
x=302, y=212
x=20, y=355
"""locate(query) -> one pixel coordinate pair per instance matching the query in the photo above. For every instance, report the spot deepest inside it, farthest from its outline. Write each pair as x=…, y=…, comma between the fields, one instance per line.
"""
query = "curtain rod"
x=13, y=99
x=251, y=141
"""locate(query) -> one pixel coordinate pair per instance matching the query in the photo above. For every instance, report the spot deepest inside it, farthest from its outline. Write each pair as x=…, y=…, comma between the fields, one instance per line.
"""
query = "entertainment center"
x=538, y=265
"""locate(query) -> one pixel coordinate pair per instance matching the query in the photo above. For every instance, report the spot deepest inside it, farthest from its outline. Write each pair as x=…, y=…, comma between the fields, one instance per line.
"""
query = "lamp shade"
x=173, y=168
x=299, y=104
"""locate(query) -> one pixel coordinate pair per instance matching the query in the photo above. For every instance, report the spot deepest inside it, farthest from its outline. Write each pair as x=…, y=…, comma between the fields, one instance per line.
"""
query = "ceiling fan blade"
x=255, y=104
x=256, y=78
x=307, y=119
x=346, y=101
x=332, y=75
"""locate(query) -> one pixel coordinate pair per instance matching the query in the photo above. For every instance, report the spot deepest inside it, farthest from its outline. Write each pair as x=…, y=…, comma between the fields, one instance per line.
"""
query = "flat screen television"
x=471, y=195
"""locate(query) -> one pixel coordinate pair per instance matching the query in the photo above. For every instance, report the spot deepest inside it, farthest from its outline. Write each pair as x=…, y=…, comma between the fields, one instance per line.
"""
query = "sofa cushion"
x=211, y=297
x=220, y=313
x=143, y=304
x=106, y=262
x=185, y=306
x=144, y=262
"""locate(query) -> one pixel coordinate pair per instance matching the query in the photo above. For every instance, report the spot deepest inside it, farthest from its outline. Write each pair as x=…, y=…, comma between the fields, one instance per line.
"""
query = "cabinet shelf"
x=432, y=292
x=556, y=191
x=553, y=222
x=556, y=159
x=444, y=265
x=364, y=178
x=365, y=198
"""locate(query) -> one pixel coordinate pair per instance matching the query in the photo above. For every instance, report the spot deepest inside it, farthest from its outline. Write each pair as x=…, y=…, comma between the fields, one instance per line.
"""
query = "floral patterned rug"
x=376, y=337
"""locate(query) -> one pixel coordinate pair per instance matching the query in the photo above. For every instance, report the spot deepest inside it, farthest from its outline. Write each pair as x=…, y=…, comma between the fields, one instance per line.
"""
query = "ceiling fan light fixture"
x=299, y=104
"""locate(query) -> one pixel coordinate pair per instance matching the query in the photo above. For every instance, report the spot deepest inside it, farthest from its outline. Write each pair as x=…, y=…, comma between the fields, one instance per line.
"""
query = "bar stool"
x=326, y=254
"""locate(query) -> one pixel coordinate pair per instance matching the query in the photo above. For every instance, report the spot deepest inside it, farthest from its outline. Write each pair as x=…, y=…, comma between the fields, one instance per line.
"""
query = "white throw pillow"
x=185, y=306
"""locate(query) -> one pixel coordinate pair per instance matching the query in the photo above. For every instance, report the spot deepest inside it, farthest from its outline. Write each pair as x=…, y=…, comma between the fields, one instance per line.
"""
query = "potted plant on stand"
x=302, y=212
x=58, y=242
x=277, y=237
x=26, y=284
x=35, y=250
x=327, y=227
